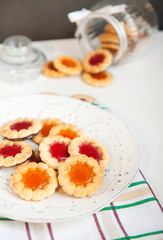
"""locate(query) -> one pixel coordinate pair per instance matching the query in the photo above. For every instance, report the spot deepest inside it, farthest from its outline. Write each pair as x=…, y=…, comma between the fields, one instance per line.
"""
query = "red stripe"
x=98, y=227
x=28, y=231
x=50, y=231
x=151, y=190
x=118, y=220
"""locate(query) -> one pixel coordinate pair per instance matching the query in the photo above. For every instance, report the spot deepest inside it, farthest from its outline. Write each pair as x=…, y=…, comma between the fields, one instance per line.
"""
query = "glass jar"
x=19, y=61
x=126, y=28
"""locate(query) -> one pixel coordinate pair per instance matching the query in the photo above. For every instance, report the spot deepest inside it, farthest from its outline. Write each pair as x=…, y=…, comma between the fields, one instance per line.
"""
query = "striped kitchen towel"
x=135, y=214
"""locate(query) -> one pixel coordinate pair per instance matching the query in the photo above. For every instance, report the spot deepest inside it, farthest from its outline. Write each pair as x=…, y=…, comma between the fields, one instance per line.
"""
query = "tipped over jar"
x=125, y=28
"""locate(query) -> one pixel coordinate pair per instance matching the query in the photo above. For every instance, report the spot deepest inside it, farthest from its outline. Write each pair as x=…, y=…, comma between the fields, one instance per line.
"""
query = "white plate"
x=96, y=123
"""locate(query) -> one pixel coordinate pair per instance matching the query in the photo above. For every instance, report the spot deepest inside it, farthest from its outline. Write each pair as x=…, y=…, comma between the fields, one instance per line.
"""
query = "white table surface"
x=135, y=96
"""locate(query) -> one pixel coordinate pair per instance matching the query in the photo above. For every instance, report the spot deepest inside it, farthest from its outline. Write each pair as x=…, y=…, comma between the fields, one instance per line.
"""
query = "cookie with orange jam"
x=47, y=125
x=97, y=61
x=50, y=71
x=21, y=128
x=13, y=153
x=68, y=65
x=67, y=130
x=91, y=148
x=80, y=176
x=101, y=79
x=34, y=181
x=53, y=150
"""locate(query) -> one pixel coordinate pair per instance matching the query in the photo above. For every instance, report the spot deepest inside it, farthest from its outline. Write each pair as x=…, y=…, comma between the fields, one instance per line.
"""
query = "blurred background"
x=47, y=19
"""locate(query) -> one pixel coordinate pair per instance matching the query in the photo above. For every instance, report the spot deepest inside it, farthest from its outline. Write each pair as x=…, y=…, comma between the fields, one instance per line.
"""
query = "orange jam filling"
x=46, y=128
x=51, y=66
x=35, y=179
x=81, y=174
x=99, y=76
x=68, y=62
x=68, y=133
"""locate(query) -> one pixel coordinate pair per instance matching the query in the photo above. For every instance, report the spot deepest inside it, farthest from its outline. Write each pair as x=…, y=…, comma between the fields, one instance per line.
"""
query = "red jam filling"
x=59, y=151
x=90, y=151
x=68, y=62
x=81, y=174
x=35, y=179
x=8, y=151
x=21, y=125
x=99, y=76
x=96, y=59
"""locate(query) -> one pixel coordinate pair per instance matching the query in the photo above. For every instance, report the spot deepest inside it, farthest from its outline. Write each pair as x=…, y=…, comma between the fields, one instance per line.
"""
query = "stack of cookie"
x=109, y=39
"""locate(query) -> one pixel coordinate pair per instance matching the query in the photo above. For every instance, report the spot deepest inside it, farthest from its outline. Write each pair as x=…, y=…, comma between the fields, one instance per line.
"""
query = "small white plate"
x=95, y=122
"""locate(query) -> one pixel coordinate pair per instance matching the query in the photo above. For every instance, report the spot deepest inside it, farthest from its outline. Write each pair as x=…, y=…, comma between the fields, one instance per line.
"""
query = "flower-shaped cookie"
x=13, y=153
x=97, y=61
x=80, y=175
x=101, y=79
x=50, y=71
x=67, y=130
x=84, y=98
x=34, y=181
x=54, y=149
x=20, y=128
x=47, y=124
x=91, y=148
x=68, y=65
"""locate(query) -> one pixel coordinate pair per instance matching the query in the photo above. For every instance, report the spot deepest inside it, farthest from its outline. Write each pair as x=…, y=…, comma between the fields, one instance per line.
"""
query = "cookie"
x=13, y=153
x=34, y=181
x=110, y=46
x=84, y=98
x=97, y=61
x=68, y=65
x=21, y=128
x=47, y=124
x=101, y=79
x=91, y=148
x=109, y=38
x=80, y=176
x=67, y=131
x=50, y=71
x=53, y=150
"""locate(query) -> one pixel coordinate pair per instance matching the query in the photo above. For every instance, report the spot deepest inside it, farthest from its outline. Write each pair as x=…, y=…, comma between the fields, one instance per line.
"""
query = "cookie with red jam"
x=101, y=79
x=91, y=148
x=34, y=181
x=13, y=153
x=68, y=65
x=97, y=61
x=53, y=150
x=80, y=176
x=47, y=125
x=21, y=128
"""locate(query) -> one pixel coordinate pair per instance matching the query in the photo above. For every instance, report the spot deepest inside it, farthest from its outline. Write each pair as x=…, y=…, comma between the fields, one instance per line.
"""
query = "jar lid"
x=19, y=60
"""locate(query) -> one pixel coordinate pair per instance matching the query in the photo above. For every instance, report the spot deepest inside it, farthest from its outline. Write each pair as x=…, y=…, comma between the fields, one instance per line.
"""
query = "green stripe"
x=131, y=204
x=140, y=236
x=6, y=219
x=137, y=183
x=96, y=104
